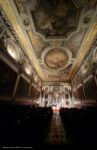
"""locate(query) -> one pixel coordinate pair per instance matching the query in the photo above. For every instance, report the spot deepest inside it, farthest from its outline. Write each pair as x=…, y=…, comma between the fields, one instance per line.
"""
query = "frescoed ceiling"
x=55, y=18
x=56, y=34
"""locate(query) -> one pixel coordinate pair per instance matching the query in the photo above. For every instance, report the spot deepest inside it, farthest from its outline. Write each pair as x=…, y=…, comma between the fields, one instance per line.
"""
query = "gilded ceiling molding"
x=6, y=5
x=84, y=49
x=28, y=44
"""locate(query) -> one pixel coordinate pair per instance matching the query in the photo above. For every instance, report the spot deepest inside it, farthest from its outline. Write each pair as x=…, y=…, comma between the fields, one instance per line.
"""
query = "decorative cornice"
x=84, y=49
x=28, y=47
x=22, y=36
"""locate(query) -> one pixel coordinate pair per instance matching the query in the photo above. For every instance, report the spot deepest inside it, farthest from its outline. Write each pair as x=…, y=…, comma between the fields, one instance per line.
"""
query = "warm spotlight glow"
x=55, y=108
x=77, y=102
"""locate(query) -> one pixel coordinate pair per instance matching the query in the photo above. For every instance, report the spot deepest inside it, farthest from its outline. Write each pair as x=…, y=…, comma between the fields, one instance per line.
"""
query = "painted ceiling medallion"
x=56, y=58
x=56, y=18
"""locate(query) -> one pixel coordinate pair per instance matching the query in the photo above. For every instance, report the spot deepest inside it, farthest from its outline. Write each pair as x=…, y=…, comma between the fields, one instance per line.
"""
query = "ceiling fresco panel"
x=58, y=33
x=55, y=18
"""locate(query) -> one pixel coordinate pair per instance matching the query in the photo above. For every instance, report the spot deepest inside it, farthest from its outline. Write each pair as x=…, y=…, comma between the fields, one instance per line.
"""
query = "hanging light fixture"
x=95, y=55
x=85, y=68
x=28, y=69
x=13, y=49
x=35, y=77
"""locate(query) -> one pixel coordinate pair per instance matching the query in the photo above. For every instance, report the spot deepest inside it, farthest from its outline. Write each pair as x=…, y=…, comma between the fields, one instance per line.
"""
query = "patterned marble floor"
x=56, y=134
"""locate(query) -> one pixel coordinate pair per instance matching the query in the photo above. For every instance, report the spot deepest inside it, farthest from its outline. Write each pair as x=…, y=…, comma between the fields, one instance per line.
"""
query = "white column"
x=48, y=100
x=64, y=100
x=40, y=100
x=16, y=86
x=95, y=79
x=29, y=90
x=70, y=101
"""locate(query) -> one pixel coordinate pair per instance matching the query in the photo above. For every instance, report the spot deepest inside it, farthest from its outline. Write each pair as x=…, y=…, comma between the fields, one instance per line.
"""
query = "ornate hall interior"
x=48, y=72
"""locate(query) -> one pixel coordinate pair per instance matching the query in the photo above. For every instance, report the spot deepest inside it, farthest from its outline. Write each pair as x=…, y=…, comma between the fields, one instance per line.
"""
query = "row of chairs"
x=80, y=125
x=22, y=125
